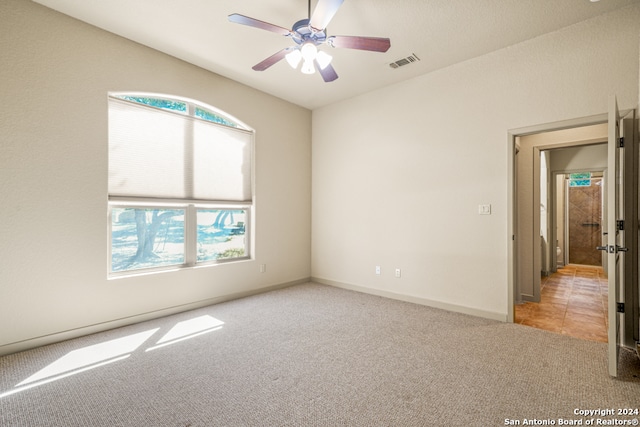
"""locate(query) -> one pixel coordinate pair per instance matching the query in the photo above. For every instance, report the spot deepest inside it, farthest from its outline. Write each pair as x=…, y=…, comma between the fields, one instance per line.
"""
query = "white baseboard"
x=502, y=317
x=117, y=323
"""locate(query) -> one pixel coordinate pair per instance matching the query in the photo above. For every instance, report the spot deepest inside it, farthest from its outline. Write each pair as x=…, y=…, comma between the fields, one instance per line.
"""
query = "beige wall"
x=54, y=80
x=545, y=207
x=591, y=157
x=380, y=196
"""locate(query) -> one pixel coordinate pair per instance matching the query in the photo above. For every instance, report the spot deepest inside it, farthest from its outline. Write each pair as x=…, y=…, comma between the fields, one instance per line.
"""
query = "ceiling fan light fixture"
x=293, y=58
x=307, y=67
x=309, y=51
x=323, y=59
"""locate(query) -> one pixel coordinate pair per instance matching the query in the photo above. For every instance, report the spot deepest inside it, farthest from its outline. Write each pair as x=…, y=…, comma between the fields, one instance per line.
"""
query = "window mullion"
x=189, y=149
x=191, y=236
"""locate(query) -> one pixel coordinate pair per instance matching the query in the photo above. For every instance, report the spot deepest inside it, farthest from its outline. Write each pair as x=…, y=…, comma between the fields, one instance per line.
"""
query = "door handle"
x=611, y=249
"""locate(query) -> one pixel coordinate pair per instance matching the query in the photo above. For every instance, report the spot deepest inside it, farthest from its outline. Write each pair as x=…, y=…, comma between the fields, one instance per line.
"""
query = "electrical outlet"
x=398, y=273
x=263, y=268
x=378, y=270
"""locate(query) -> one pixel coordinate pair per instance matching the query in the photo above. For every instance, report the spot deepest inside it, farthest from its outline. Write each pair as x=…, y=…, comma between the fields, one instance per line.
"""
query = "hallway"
x=573, y=302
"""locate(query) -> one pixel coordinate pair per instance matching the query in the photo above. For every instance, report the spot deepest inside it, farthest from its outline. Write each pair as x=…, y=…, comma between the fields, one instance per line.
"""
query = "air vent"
x=405, y=61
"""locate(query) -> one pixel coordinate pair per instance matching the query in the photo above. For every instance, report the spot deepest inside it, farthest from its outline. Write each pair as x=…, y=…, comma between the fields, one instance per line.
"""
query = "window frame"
x=190, y=206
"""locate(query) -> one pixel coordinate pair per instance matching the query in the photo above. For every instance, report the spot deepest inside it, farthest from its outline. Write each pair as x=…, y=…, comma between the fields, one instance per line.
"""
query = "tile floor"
x=573, y=301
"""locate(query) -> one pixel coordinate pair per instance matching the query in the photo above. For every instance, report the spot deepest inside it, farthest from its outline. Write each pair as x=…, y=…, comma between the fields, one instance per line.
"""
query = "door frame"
x=554, y=221
x=630, y=320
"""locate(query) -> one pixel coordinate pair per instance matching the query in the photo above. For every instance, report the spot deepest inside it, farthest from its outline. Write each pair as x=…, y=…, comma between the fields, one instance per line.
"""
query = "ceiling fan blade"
x=271, y=60
x=323, y=13
x=376, y=44
x=328, y=73
x=245, y=20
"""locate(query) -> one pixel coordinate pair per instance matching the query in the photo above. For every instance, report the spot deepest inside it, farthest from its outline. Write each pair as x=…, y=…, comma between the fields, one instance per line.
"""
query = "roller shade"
x=163, y=154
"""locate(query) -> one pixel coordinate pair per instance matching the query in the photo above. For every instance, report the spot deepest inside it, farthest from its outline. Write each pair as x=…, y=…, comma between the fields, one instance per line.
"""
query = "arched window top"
x=185, y=106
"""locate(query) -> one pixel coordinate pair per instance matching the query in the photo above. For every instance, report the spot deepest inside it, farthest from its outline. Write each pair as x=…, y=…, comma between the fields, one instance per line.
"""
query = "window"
x=580, y=179
x=180, y=184
x=146, y=237
x=221, y=234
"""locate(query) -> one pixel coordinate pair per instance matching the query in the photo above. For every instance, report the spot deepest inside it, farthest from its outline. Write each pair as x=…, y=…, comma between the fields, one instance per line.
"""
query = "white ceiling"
x=439, y=32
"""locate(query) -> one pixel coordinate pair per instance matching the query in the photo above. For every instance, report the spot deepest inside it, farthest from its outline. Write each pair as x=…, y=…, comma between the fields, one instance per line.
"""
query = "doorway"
x=580, y=208
x=569, y=294
x=537, y=154
x=621, y=193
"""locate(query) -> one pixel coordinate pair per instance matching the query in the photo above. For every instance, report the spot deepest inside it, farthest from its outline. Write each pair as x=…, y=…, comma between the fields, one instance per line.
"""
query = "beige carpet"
x=314, y=355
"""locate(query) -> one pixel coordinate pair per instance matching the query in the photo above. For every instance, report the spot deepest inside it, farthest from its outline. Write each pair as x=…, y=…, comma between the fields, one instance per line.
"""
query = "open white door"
x=615, y=238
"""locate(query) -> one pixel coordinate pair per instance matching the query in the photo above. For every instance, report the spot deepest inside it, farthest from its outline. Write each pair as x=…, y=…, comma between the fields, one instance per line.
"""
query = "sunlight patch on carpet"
x=84, y=359
x=105, y=353
x=188, y=329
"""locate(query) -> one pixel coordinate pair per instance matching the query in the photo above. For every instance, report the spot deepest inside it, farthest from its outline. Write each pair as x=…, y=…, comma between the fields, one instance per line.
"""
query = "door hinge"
x=620, y=224
x=621, y=142
x=620, y=307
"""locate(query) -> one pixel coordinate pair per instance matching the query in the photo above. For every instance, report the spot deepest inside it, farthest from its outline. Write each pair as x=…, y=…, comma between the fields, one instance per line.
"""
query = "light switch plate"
x=484, y=209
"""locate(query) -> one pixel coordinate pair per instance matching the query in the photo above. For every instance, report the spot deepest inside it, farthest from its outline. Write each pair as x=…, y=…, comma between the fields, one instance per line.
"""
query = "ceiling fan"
x=308, y=34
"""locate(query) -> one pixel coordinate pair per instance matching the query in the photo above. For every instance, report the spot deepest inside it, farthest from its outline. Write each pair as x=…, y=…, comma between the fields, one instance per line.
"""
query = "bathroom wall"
x=585, y=223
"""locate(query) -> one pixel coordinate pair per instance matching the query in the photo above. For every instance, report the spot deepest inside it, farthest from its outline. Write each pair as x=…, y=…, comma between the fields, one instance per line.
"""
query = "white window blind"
x=162, y=154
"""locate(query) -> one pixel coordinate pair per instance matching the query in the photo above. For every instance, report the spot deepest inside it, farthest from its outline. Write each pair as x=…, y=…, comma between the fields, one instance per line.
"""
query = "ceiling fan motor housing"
x=302, y=32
